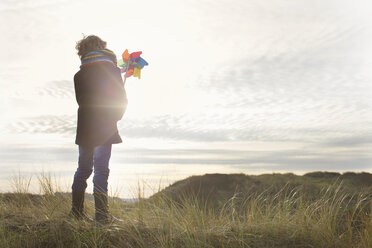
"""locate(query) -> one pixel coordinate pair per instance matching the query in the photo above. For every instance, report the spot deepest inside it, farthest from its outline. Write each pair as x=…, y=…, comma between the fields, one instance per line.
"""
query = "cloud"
x=10, y=5
x=57, y=89
x=350, y=141
x=264, y=72
x=51, y=124
x=242, y=160
x=210, y=128
x=305, y=84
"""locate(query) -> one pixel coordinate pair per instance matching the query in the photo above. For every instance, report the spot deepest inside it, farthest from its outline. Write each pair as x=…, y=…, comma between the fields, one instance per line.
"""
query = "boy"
x=102, y=101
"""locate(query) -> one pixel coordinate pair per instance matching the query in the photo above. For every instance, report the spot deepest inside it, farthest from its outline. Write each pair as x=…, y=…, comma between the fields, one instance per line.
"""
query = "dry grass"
x=285, y=219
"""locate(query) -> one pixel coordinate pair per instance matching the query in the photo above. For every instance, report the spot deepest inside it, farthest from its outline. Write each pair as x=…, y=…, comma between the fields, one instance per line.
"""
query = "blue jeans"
x=89, y=157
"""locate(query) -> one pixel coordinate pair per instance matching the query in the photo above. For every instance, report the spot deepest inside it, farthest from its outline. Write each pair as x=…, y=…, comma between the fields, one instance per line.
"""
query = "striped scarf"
x=101, y=56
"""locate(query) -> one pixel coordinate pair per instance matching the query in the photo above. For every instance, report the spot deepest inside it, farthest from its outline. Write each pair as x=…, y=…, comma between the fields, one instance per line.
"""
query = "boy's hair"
x=88, y=44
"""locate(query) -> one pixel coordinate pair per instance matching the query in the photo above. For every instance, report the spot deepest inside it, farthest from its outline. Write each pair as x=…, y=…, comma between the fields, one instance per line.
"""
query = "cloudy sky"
x=232, y=86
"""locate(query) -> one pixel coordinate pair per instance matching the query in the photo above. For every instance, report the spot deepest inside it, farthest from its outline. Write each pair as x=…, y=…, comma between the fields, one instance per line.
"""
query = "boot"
x=77, y=209
x=102, y=214
x=101, y=205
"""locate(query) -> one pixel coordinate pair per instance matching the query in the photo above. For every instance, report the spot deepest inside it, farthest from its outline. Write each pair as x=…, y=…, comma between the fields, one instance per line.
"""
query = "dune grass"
x=286, y=219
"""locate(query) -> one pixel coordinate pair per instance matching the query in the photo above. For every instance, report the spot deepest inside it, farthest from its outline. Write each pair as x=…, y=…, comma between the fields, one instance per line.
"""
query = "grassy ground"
x=280, y=216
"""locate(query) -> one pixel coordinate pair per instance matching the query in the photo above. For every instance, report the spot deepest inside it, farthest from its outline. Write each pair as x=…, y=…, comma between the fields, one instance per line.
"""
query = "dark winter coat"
x=102, y=102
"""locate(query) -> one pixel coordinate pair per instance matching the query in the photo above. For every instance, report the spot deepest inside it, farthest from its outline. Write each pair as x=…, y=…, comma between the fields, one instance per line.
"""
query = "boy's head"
x=88, y=44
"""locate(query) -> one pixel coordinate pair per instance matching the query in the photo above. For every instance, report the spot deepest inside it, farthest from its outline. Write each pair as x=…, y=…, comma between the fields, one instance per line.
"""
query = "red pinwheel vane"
x=131, y=64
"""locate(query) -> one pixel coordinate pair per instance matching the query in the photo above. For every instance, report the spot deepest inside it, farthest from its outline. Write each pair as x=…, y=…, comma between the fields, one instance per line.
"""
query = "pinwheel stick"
x=126, y=71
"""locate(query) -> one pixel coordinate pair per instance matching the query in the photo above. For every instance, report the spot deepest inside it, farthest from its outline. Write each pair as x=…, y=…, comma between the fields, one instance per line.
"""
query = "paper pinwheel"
x=131, y=64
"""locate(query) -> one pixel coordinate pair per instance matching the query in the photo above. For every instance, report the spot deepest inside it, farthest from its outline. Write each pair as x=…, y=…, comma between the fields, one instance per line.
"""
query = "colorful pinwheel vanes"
x=131, y=64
